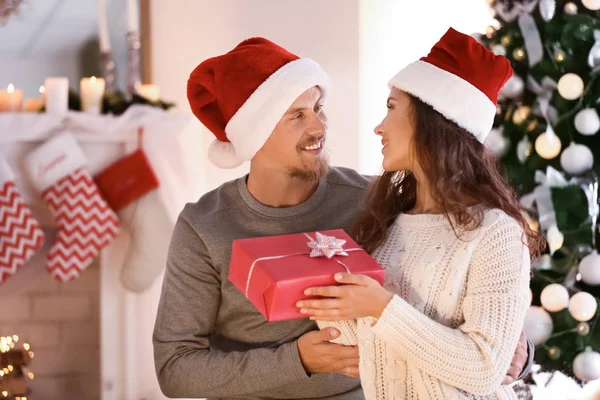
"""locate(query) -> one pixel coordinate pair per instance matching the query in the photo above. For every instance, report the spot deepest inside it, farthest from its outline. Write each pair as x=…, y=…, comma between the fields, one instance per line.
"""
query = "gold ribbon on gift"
x=322, y=246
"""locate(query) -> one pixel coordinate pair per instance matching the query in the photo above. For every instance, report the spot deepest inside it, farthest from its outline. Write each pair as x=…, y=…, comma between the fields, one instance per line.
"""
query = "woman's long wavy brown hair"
x=462, y=173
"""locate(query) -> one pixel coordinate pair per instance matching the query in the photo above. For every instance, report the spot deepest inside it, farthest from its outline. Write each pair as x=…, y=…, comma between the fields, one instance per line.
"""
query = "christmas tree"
x=546, y=133
x=14, y=372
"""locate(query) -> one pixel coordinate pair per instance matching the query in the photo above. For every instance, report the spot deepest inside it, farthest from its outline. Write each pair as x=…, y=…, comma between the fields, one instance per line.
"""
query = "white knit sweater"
x=452, y=327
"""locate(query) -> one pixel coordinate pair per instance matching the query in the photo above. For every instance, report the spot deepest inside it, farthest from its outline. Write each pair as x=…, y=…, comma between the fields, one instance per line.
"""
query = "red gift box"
x=274, y=271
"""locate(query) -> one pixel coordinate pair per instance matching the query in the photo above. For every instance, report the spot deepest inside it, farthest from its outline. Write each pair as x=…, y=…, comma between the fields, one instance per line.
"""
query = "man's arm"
x=530, y=356
x=522, y=361
x=185, y=364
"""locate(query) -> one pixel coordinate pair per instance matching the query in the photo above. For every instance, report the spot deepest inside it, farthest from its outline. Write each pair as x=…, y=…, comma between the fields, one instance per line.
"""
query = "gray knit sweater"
x=209, y=341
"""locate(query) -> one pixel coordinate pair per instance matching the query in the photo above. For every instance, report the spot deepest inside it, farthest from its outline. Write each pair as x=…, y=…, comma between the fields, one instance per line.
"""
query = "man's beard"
x=314, y=172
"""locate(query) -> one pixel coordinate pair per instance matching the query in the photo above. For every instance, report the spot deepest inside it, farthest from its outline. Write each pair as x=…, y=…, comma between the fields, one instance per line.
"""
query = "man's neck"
x=278, y=189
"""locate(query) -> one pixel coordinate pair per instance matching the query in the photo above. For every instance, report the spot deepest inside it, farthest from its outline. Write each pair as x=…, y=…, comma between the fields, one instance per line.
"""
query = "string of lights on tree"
x=14, y=373
x=545, y=133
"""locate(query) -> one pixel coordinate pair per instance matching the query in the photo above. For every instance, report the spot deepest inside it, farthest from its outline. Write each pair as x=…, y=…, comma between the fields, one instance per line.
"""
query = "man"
x=263, y=104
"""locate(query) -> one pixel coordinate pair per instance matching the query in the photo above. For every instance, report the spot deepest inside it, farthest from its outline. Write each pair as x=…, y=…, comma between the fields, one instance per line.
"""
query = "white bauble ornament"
x=513, y=88
x=589, y=268
x=587, y=121
x=571, y=8
x=498, y=50
x=497, y=142
x=523, y=149
x=547, y=9
x=548, y=145
x=538, y=325
x=582, y=306
x=577, y=159
x=586, y=366
x=570, y=86
x=555, y=297
x=555, y=238
x=591, y=4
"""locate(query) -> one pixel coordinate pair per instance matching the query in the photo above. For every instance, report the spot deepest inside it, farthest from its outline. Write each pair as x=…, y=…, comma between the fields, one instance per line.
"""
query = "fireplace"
x=90, y=337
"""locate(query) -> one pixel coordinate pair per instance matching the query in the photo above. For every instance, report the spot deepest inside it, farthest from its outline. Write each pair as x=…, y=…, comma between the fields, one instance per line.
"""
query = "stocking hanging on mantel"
x=131, y=188
x=20, y=233
x=85, y=222
x=173, y=144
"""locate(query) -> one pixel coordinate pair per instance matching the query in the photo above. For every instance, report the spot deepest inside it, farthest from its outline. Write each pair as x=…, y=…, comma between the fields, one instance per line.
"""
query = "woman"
x=449, y=232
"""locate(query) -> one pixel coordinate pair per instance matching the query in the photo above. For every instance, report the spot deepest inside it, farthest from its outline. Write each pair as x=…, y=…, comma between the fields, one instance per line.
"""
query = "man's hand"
x=320, y=356
x=518, y=362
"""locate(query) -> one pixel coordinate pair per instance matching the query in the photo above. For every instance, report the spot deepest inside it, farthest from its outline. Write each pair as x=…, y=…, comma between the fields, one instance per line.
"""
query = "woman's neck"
x=424, y=203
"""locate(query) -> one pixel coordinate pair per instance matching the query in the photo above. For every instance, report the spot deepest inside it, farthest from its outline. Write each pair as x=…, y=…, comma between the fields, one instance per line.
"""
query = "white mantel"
x=173, y=145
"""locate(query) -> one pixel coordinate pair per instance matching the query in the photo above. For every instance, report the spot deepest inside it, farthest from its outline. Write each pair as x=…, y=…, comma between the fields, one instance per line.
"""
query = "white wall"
x=59, y=38
x=186, y=32
x=28, y=75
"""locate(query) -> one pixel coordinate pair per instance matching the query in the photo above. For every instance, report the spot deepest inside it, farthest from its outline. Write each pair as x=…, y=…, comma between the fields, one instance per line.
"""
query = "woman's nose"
x=379, y=129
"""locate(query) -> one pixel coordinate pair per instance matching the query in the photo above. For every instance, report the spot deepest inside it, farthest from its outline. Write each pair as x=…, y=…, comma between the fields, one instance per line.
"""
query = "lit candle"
x=149, y=91
x=103, y=28
x=35, y=104
x=11, y=99
x=92, y=90
x=56, y=95
x=132, y=16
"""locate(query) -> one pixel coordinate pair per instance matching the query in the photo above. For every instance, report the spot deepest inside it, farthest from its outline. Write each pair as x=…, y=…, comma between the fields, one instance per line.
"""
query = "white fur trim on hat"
x=53, y=160
x=450, y=95
x=223, y=155
x=252, y=124
x=6, y=172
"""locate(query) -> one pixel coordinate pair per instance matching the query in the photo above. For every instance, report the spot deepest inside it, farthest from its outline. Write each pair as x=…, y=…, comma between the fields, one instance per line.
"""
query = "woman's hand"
x=359, y=296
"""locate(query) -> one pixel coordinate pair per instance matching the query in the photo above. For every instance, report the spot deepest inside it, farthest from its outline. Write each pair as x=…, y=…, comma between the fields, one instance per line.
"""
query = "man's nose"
x=318, y=127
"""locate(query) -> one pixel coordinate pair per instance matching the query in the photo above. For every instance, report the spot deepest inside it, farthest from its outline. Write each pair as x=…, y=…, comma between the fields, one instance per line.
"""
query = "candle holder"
x=133, y=70
x=107, y=66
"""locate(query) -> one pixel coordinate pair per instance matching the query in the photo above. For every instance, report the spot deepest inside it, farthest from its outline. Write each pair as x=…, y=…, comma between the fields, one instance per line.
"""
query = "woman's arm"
x=475, y=356
x=347, y=330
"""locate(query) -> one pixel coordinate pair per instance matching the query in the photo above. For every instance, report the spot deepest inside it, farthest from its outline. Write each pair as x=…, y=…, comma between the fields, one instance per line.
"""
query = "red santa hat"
x=241, y=96
x=460, y=79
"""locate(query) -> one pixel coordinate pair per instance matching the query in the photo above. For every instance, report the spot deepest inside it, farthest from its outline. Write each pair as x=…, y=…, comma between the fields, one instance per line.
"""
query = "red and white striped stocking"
x=86, y=224
x=20, y=233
